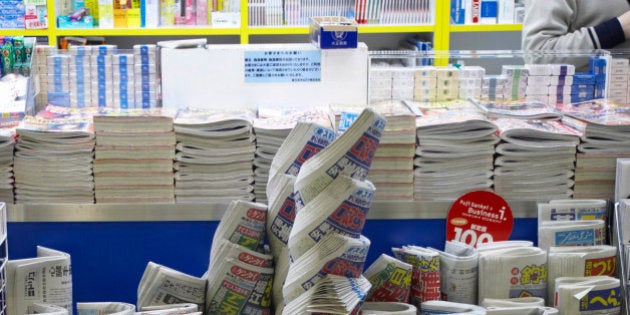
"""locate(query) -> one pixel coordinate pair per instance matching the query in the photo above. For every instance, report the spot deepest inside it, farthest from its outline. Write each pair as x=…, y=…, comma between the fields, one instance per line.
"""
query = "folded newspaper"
x=586, y=295
x=48, y=309
x=106, y=308
x=331, y=295
x=425, y=282
x=390, y=279
x=341, y=208
x=351, y=154
x=334, y=254
x=243, y=223
x=459, y=269
x=46, y=279
x=161, y=285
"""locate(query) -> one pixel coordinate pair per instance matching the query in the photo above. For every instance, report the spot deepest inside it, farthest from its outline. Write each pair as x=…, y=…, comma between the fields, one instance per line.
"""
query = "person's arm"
x=546, y=27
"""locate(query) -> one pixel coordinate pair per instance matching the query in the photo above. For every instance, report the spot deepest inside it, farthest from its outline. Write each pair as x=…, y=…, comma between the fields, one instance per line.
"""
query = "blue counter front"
x=108, y=258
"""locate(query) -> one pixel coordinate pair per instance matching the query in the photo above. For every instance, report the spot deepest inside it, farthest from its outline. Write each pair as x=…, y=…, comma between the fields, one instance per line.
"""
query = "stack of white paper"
x=29, y=281
x=535, y=160
x=272, y=127
x=392, y=168
x=582, y=261
x=7, y=144
x=459, y=269
x=161, y=285
x=106, y=308
x=425, y=282
x=53, y=161
x=390, y=279
x=454, y=153
x=586, y=295
x=325, y=244
x=215, y=152
x=127, y=143
x=512, y=272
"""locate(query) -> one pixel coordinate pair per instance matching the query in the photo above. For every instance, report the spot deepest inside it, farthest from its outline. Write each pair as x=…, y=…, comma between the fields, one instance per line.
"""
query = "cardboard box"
x=333, y=32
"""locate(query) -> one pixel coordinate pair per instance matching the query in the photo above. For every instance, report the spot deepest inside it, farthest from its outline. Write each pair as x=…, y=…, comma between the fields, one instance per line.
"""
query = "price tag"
x=479, y=217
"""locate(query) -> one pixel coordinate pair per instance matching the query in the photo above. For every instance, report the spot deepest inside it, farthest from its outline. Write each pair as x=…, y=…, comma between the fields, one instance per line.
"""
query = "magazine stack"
x=53, y=160
x=215, y=152
x=454, y=154
x=605, y=127
x=134, y=157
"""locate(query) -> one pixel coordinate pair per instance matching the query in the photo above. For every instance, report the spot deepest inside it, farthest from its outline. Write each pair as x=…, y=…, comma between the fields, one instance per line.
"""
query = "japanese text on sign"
x=282, y=66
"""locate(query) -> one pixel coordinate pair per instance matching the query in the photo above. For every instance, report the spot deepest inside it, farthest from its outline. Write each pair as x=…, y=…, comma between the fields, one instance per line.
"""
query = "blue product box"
x=597, y=65
x=458, y=12
x=333, y=32
x=86, y=22
x=583, y=78
x=582, y=88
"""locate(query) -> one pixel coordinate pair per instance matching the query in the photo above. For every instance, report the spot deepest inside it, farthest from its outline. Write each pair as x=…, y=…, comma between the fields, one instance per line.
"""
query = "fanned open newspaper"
x=161, y=285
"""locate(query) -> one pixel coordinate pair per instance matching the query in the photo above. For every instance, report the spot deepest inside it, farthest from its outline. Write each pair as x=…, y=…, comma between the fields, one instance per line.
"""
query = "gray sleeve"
x=546, y=27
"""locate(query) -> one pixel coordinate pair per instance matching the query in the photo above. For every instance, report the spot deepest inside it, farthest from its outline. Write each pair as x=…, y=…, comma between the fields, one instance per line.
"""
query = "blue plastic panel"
x=108, y=258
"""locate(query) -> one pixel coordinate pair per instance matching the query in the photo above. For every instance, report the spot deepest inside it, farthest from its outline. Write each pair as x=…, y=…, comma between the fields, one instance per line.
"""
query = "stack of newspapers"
x=535, y=159
x=36, y=283
x=161, y=285
x=53, y=160
x=326, y=248
x=454, y=154
x=240, y=274
x=215, y=152
x=390, y=279
x=272, y=126
x=392, y=168
x=605, y=127
x=7, y=145
x=304, y=141
x=134, y=157
x=425, y=281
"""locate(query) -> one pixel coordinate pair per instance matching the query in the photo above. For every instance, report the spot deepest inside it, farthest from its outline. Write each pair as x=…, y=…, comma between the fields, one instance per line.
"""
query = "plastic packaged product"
x=583, y=78
x=145, y=68
x=562, y=69
x=424, y=72
x=447, y=73
x=539, y=69
x=105, y=50
x=123, y=59
x=471, y=72
x=80, y=50
x=559, y=89
x=150, y=95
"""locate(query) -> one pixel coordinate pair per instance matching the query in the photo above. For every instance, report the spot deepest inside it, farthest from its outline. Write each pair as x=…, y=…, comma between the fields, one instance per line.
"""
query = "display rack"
x=441, y=30
x=4, y=256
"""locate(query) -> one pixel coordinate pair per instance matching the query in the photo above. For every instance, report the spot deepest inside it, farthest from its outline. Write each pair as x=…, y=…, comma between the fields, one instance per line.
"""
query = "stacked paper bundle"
x=325, y=245
x=507, y=272
x=584, y=295
x=471, y=81
x=41, y=61
x=618, y=85
x=102, y=67
x=160, y=285
x=123, y=81
x=583, y=261
x=535, y=159
x=454, y=153
x=495, y=88
x=215, y=152
x=390, y=279
x=58, y=79
x=425, y=282
x=392, y=167
x=7, y=144
x=380, y=82
x=53, y=161
x=517, y=78
x=146, y=74
x=271, y=128
x=81, y=76
x=604, y=126
x=240, y=275
x=436, y=84
x=458, y=273
x=133, y=157
x=551, y=83
x=304, y=141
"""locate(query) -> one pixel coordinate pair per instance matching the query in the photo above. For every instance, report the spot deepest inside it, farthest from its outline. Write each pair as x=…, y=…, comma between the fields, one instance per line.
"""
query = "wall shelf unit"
x=441, y=29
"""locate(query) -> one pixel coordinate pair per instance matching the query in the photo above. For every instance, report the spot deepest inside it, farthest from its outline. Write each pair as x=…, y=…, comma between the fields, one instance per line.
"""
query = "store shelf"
x=379, y=29
x=279, y=30
x=165, y=31
x=214, y=212
x=486, y=28
x=24, y=32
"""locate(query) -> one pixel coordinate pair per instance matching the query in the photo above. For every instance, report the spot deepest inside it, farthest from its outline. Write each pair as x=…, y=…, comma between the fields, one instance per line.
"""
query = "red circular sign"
x=479, y=217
